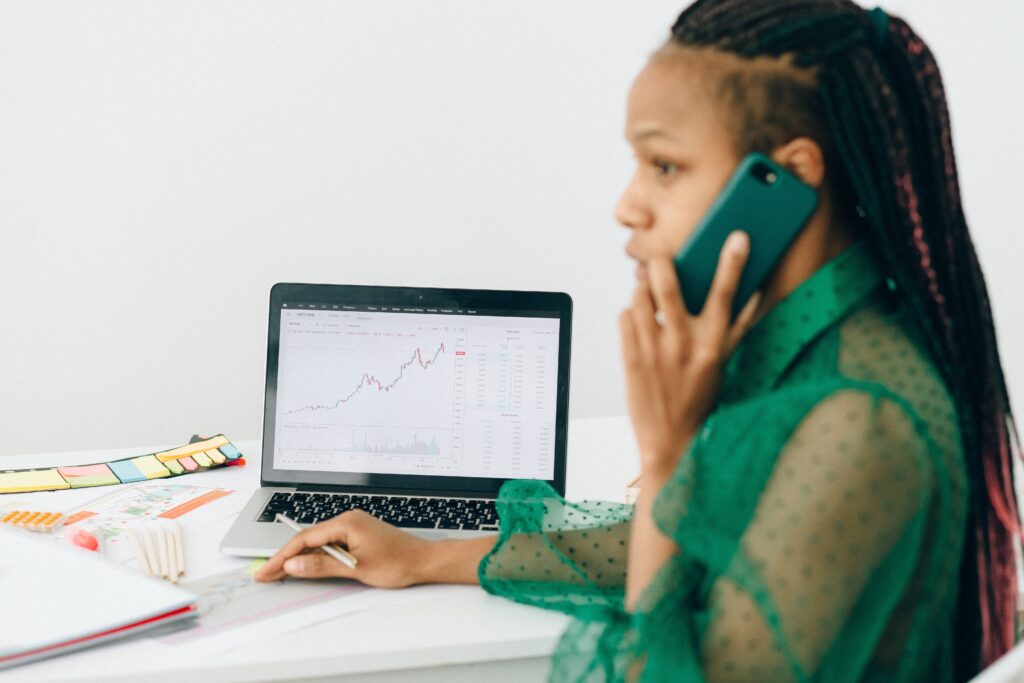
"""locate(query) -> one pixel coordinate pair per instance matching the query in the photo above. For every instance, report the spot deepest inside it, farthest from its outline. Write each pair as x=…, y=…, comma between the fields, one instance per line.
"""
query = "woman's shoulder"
x=880, y=346
x=868, y=378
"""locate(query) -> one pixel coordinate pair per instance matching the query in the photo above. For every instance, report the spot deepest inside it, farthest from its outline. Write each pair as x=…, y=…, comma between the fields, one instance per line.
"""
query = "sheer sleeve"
x=826, y=551
x=800, y=520
x=556, y=554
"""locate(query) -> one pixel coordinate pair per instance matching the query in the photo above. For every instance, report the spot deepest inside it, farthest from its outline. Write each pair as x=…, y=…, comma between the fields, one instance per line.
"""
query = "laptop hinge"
x=391, y=491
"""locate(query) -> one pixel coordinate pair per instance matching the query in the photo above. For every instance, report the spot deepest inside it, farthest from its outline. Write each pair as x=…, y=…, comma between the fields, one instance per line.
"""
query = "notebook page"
x=50, y=593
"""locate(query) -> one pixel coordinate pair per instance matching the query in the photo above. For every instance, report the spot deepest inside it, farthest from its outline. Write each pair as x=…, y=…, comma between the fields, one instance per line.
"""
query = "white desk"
x=464, y=635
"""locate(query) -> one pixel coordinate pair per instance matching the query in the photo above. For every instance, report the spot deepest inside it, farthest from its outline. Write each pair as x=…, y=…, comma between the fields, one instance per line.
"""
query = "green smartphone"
x=765, y=201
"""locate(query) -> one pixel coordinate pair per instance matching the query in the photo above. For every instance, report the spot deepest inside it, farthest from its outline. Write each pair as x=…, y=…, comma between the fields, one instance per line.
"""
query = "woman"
x=827, y=490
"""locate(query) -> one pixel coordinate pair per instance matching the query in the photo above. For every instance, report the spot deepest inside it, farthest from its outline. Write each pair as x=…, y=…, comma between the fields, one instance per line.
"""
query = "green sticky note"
x=255, y=565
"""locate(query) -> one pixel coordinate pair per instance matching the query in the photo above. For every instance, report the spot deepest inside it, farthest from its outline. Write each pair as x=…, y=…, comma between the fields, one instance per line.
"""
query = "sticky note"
x=174, y=467
x=255, y=565
x=81, y=476
x=126, y=471
x=32, y=480
x=151, y=467
x=188, y=463
x=230, y=451
x=199, y=446
x=216, y=456
x=202, y=459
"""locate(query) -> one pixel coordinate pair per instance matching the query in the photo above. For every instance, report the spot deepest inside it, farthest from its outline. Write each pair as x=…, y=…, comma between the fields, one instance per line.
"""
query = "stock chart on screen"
x=416, y=393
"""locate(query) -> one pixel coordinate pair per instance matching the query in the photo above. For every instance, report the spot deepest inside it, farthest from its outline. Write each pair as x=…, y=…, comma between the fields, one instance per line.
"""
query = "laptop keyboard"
x=411, y=512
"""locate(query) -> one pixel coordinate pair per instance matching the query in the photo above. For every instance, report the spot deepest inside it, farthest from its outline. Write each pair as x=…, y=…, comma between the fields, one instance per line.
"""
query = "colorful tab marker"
x=151, y=467
x=182, y=451
x=88, y=475
x=24, y=481
x=127, y=471
x=217, y=451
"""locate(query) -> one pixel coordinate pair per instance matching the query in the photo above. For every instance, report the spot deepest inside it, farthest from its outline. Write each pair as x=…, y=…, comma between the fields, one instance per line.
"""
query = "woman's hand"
x=387, y=556
x=674, y=360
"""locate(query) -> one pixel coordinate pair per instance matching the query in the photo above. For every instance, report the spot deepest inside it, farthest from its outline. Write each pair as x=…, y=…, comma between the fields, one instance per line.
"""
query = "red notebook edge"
x=95, y=638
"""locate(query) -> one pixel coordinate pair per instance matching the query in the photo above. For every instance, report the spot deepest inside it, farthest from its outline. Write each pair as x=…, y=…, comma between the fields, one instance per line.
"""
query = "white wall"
x=163, y=164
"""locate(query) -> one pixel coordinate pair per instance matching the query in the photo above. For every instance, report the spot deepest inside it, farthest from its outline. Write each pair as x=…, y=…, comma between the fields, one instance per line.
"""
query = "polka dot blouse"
x=820, y=515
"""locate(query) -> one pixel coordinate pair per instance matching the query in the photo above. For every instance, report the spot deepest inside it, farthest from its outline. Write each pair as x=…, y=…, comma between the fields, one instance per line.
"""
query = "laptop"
x=413, y=404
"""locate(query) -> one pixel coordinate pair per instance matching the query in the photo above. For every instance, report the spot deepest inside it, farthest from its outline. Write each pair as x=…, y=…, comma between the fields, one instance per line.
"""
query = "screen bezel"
x=506, y=301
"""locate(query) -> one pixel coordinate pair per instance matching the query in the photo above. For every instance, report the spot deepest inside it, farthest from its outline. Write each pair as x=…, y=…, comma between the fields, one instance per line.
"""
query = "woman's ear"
x=803, y=157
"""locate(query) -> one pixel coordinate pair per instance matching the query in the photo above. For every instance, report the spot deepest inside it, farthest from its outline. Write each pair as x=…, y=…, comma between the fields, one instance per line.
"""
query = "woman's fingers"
x=645, y=325
x=316, y=565
x=744, y=321
x=668, y=298
x=630, y=345
x=718, y=307
x=331, y=531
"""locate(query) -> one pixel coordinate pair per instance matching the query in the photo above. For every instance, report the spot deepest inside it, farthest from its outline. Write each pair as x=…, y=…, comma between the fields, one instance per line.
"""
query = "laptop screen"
x=396, y=388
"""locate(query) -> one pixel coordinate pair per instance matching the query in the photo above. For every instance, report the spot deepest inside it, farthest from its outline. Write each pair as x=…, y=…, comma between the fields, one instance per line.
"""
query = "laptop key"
x=419, y=524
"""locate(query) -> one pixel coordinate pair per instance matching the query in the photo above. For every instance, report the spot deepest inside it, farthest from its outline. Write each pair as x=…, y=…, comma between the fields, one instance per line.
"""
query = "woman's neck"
x=823, y=238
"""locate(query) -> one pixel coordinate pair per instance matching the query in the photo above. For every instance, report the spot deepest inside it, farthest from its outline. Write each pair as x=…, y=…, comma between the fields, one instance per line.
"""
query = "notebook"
x=56, y=599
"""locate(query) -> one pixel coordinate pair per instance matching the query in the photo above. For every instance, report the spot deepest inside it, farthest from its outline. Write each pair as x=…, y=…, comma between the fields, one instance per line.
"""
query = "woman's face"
x=684, y=156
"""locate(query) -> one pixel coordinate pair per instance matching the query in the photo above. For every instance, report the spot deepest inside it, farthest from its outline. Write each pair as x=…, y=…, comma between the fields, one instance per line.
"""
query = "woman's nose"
x=631, y=211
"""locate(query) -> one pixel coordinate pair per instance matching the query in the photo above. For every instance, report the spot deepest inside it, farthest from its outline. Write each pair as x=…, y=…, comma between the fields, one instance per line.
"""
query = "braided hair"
x=878, y=96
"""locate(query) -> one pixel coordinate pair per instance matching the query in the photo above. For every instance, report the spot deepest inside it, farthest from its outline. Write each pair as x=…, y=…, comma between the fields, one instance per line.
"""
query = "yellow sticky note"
x=202, y=459
x=32, y=480
x=151, y=467
x=191, y=448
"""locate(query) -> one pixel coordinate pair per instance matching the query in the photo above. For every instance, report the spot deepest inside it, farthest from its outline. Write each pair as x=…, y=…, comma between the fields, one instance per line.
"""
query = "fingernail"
x=738, y=242
x=293, y=566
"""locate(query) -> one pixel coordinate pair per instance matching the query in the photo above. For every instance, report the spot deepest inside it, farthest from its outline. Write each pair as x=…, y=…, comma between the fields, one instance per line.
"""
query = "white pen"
x=151, y=554
x=343, y=556
x=178, y=549
x=140, y=554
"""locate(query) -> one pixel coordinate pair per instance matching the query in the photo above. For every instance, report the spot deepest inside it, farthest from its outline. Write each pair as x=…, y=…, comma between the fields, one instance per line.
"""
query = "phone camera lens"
x=764, y=173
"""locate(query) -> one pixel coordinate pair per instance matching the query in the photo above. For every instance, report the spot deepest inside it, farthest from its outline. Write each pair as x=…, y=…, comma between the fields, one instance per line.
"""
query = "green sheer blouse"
x=819, y=515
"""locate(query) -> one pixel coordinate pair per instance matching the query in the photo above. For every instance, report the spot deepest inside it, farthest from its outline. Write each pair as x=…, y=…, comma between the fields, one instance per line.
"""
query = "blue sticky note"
x=230, y=451
x=126, y=471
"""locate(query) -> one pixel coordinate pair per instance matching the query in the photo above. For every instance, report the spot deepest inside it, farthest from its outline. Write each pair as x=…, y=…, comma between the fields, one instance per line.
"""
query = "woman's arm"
x=650, y=549
x=453, y=561
x=592, y=555
x=673, y=362
x=387, y=556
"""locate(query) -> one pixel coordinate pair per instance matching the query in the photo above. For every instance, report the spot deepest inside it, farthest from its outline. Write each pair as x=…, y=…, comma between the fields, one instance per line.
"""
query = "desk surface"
x=455, y=632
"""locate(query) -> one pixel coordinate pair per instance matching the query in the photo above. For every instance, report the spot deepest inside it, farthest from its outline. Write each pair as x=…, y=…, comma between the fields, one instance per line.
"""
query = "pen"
x=346, y=558
x=179, y=551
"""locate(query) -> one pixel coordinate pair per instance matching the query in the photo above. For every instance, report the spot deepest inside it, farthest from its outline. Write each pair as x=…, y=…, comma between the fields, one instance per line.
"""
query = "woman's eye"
x=664, y=168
